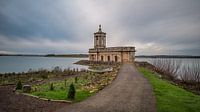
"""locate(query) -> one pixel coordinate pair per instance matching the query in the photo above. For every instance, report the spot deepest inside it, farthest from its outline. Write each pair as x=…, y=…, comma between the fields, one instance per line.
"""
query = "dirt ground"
x=12, y=102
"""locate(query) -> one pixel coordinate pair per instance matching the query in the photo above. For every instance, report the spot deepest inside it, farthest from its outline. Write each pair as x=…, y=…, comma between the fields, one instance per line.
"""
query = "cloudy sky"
x=67, y=26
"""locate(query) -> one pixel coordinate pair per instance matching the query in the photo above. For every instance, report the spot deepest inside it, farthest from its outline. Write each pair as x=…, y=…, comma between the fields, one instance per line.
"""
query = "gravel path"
x=130, y=92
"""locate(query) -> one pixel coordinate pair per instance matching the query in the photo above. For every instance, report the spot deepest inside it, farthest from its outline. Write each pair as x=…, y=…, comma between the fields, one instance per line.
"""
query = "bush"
x=167, y=67
x=19, y=85
x=190, y=74
x=76, y=79
x=51, y=87
x=71, y=92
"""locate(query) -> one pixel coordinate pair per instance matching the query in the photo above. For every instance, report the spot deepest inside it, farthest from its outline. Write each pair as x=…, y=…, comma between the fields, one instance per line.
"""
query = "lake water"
x=24, y=63
x=184, y=61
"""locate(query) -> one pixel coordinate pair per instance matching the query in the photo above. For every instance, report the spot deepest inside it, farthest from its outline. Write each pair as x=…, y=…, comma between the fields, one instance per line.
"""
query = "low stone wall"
x=45, y=99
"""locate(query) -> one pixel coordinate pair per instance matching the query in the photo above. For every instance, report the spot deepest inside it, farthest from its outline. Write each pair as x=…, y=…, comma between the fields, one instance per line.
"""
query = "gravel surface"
x=129, y=92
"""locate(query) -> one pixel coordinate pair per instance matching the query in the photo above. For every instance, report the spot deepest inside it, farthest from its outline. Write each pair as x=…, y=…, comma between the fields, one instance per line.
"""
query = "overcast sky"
x=67, y=26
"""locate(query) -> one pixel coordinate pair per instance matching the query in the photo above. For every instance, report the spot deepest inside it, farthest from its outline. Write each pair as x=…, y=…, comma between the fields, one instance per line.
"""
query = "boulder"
x=27, y=88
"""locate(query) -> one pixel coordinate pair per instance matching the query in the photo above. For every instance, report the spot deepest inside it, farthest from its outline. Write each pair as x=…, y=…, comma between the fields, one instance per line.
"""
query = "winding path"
x=129, y=92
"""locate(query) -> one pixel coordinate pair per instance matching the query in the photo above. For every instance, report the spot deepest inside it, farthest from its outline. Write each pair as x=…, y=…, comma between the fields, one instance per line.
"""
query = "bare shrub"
x=167, y=67
x=187, y=75
x=57, y=69
x=191, y=73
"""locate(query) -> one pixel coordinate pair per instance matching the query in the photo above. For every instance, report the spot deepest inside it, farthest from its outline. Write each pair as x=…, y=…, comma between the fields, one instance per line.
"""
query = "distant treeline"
x=34, y=55
x=166, y=56
x=49, y=55
x=67, y=55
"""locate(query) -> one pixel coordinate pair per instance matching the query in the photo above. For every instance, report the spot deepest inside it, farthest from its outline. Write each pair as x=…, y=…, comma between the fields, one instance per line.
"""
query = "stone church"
x=109, y=54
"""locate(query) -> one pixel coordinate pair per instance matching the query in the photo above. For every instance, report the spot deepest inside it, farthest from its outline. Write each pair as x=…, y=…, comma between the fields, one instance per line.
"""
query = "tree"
x=19, y=85
x=71, y=92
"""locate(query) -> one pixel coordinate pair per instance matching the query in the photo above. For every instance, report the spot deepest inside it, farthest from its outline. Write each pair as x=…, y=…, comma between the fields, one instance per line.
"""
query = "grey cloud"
x=153, y=26
x=28, y=18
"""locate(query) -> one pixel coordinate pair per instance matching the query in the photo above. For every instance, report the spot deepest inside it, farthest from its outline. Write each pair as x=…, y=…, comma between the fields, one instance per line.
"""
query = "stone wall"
x=113, y=49
x=115, y=56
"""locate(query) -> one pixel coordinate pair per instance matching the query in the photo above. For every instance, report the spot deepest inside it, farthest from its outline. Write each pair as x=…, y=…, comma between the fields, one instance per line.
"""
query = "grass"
x=171, y=98
x=61, y=89
x=87, y=85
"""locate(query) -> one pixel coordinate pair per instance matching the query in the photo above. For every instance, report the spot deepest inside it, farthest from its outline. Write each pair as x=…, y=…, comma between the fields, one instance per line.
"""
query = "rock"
x=27, y=88
x=14, y=90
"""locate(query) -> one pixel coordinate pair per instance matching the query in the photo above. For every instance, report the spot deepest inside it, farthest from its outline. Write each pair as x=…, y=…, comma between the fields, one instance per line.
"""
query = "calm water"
x=183, y=61
x=23, y=64
x=192, y=63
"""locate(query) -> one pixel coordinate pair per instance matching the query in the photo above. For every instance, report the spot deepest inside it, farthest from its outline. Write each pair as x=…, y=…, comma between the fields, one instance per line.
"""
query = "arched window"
x=108, y=58
x=101, y=58
x=116, y=59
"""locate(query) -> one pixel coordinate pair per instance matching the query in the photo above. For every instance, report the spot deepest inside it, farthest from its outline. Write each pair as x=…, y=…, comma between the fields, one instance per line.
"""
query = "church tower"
x=99, y=39
x=109, y=54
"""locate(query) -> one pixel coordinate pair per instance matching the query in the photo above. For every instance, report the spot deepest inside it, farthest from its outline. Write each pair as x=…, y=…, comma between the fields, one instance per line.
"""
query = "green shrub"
x=19, y=85
x=62, y=88
x=51, y=87
x=76, y=79
x=71, y=92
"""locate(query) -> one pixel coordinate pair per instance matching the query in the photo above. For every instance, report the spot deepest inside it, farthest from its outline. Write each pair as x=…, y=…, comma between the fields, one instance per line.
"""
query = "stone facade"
x=102, y=53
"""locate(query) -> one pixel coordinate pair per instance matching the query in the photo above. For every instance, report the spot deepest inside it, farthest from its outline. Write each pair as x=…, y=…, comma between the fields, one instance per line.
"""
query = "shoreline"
x=87, y=56
x=49, y=55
